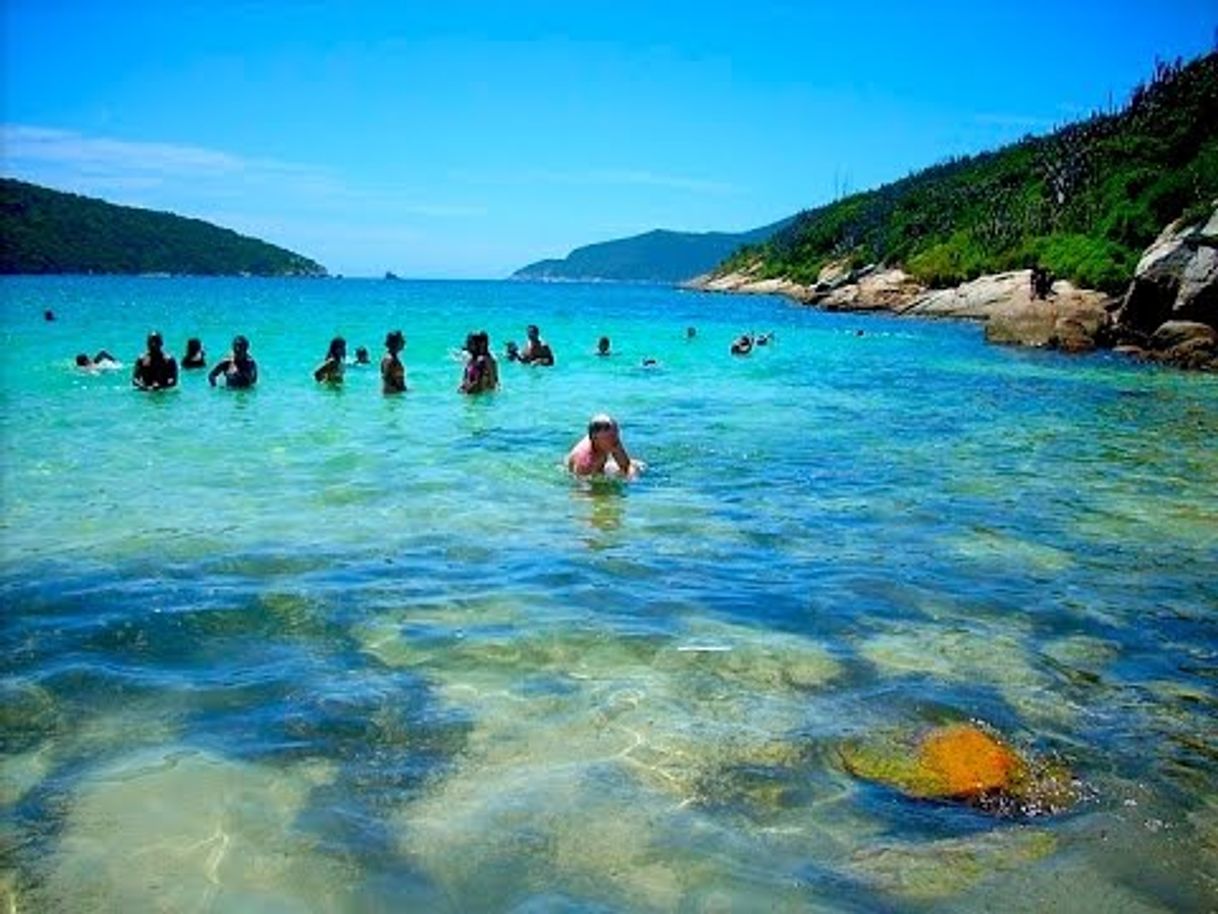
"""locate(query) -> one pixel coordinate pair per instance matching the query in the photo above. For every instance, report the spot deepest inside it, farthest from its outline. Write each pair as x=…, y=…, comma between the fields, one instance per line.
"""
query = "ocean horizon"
x=315, y=648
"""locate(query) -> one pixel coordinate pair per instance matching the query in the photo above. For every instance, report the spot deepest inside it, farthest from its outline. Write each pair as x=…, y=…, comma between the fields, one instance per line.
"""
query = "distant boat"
x=389, y=274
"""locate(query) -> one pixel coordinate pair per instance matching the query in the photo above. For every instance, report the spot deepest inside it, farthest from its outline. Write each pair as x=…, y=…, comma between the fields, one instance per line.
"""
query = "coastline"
x=1168, y=314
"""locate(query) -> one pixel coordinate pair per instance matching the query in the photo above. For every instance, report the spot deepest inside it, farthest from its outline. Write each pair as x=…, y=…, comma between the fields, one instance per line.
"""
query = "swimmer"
x=393, y=372
x=48, y=315
x=602, y=346
x=330, y=371
x=238, y=368
x=691, y=333
x=195, y=356
x=155, y=369
x=512, y=351
x=742, y=345
x=592, y=452
x=764, y=338
x=536, y=350
x=649, y=362
x=103, y=361
x=361, y=356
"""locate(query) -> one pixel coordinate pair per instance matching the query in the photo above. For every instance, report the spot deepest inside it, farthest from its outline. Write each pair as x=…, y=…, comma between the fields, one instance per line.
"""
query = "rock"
x=1185, y=344
x=962, y=763
x=872, y=289
x=1176, y=279
x=1072, y=320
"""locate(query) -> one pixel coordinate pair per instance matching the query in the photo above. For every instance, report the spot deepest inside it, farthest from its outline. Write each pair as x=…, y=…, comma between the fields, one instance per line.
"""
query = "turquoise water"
x=301, y=649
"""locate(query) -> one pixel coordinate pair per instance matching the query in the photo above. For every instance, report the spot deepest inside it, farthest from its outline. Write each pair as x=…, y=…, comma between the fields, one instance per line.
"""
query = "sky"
x=467, y=139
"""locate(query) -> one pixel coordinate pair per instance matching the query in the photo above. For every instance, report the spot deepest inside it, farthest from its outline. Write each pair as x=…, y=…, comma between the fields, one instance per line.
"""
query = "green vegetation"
x=1083, y=201
x=45, y=231
x=657, y=256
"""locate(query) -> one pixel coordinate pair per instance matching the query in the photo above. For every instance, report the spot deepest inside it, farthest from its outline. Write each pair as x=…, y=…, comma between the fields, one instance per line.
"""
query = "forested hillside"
x=45, y=231
x=1083, y=201
x=657, y=256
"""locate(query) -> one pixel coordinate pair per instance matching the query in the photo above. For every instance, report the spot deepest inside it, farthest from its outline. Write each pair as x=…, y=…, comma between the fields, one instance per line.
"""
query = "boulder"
x=1176, y=280
x=1073, y=320
x=871, y=289
x=964, y=763
x=1185, y=344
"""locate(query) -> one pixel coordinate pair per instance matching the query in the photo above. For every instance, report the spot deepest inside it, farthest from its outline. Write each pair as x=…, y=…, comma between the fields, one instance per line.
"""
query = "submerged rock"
x=962, y=763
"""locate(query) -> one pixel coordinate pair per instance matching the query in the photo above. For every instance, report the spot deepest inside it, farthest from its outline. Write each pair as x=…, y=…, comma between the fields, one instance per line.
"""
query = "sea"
x=314, y=648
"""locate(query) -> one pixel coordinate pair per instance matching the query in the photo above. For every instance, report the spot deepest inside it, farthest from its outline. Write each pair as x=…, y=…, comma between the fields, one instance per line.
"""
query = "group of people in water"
x=157, y=369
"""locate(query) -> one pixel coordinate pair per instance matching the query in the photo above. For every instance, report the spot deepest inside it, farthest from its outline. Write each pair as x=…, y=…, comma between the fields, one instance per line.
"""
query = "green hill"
x=657, y=256
x=46, y=231
x=1083, y=201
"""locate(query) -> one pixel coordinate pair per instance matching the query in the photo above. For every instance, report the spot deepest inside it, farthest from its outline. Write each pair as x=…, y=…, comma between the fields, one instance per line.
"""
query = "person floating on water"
x=100, y=362
x=536, y=350
x=592, y=452
x=602, y=346
x=481, y=370
x=155, y=369
x=742, y=345
x=393, y=372
x=238, y=368
x=195, y=356
x=330, y=371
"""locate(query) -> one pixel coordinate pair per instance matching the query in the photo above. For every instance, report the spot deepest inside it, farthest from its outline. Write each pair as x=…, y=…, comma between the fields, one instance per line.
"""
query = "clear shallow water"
x=312, y=649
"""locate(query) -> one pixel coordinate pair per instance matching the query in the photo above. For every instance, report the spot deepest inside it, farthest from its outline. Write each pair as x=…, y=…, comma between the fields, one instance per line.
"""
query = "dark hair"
x=240, y=341
x=156, y=335
x=600, y=425
x=81, y=359
x=335, y=345
x=194, y=344
x=531, y=329
x=394, y=336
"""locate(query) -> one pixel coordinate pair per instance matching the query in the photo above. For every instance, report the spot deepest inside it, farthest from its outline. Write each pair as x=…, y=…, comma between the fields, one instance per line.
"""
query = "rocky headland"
x=1169, y=313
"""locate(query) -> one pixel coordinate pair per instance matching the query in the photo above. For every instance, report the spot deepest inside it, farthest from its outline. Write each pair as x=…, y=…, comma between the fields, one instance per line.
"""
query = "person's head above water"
x=533, y=331
x=82, y=360
x=602, y=345
x=602, y=430
x=156, y=342
x=241, y=346
x=395, y=341
x=338, y=349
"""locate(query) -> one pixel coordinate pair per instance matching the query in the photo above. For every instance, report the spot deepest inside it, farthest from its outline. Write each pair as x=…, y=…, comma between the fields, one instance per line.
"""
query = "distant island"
x=659, y=256
x=47, y=231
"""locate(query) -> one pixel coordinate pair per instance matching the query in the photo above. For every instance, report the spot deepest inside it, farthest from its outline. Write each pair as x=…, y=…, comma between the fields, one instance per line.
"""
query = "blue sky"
x=467, y=139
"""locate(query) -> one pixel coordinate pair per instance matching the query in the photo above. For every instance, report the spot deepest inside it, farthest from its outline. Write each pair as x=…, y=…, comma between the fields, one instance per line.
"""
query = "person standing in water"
x=481, y=370
x=593, y=451
x=331, y=369
x=602, y=346
x=239, y=370
x=536, y=350
x=155, y=369
x=393, y=372
x=195, y=357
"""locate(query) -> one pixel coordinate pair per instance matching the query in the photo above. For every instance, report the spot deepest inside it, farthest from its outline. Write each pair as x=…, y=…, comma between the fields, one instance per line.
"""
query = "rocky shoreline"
x=1169, y=314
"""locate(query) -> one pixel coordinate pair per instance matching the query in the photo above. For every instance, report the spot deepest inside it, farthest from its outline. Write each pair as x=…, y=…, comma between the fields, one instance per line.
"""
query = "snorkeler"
x=155, y=369
x=393, y=372
x=330, y=371
x=238, y=368
x=742, y=345
x=592, y=452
